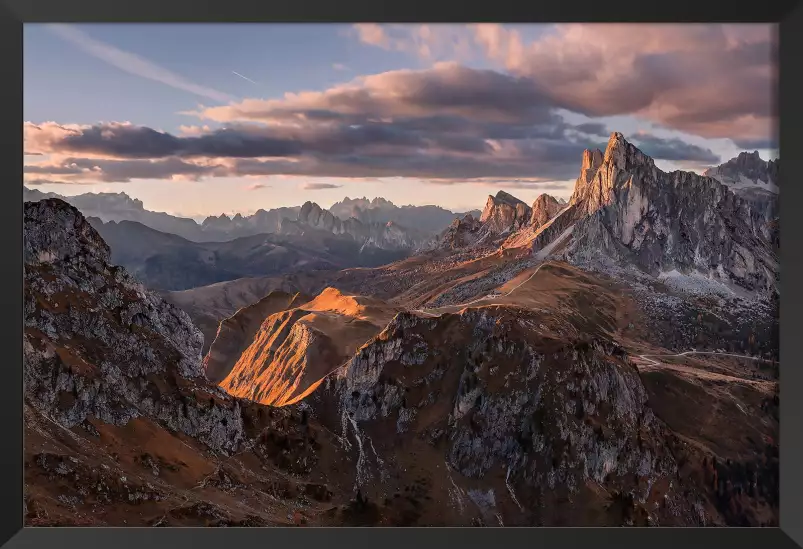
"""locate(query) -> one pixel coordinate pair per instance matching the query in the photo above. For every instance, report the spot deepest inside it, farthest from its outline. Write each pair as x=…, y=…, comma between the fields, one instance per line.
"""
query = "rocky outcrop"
x=544, y=208
x=96, y=343
x=504, y=213
x=236, y=332
x=557, y=418
x=634, y=212
x=461, y=233
x=592, y=160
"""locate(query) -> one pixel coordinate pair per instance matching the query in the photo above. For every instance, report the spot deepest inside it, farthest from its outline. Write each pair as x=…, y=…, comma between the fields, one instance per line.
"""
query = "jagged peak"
x=506, y=198
x=623, y=154
x=749, y=155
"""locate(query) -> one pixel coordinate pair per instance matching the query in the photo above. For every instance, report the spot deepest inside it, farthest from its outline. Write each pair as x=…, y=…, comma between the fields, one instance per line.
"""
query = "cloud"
x=39, y=182
x=373, y=34
x=340, y=67
x=430, y=42
x=256, y=187
x=82, y=170
x=319, y=186
x=134, y=64
x=446, y=123
x=711, y=80
x=673, y=149
x=125, y=140
x=756, y=144
x=593, y=128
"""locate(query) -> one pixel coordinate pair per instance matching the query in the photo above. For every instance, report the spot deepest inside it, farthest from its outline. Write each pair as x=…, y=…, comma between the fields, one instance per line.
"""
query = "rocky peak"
x=504, y=212
x=593, y=189
x=592, y=160
x=380, y=202
x=313, y=215
x=544, y=208
x=624, y=155
x=219, y=221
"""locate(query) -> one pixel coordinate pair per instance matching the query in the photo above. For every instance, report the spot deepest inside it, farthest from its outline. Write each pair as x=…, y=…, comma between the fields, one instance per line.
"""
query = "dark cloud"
x=593, y=128
x=127, y=141
x=756, y=144
x=673, y=149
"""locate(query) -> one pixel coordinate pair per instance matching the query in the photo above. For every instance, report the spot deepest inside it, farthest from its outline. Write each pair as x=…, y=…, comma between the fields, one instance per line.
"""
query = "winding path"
x=693, y=352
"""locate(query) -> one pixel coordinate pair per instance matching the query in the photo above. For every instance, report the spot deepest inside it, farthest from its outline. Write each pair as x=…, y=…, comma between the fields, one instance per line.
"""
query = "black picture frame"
x=15, y=13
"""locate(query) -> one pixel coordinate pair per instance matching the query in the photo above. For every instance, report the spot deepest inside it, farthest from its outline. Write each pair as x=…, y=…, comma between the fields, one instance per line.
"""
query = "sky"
x=203, y=119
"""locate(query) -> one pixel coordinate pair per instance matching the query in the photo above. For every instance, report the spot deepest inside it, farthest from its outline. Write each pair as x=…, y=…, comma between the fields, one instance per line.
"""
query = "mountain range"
x=363, y=213
x=610, y=360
